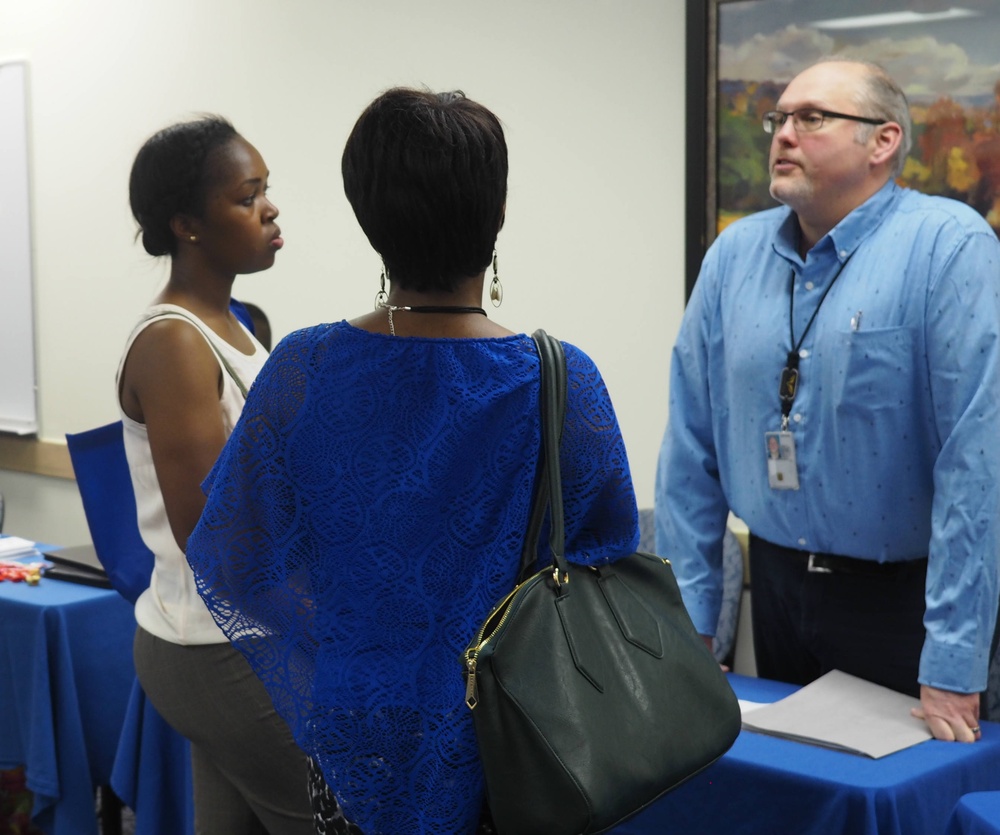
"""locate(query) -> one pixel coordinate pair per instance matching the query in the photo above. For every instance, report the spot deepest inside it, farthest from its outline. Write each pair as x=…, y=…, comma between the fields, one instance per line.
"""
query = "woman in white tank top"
x=198, y=191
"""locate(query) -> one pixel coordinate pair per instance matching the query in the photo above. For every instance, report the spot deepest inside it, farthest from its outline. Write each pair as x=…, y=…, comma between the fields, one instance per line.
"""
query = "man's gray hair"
x=881, y=98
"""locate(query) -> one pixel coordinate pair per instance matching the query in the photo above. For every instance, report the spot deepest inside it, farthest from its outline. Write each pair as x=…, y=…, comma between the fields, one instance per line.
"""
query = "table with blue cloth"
x=152, y=772
x=770, y=786
x=977, y=813
x=67, y=687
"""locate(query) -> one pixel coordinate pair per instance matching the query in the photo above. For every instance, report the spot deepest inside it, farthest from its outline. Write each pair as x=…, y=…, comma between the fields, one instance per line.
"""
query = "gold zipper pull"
x=471, y=692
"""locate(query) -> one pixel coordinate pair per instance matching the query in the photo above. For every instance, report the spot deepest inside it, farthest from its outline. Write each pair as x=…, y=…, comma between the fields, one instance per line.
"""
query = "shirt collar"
x=847, y=235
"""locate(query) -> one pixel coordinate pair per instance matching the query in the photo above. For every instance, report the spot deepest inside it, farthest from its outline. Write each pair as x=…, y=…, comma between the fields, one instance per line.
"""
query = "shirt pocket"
x=871, y=372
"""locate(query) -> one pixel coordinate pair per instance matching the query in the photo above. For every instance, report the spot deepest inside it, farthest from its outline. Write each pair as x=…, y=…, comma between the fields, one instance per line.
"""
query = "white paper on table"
x=844, y=712
x=15, y=546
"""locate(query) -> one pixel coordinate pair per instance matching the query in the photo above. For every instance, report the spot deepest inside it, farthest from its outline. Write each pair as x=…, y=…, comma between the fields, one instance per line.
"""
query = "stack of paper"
x=14, y=546
x=843, y=712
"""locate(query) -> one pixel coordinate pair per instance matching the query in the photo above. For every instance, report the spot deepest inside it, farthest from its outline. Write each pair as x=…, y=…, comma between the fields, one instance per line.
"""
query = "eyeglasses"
x=808, y=119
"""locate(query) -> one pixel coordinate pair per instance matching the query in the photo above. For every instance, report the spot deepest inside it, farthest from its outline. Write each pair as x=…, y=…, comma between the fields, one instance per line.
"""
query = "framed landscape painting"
x=742, y=53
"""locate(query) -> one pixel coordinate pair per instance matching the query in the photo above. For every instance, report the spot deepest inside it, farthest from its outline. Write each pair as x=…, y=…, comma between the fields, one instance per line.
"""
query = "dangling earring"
x=382, y=297
x=496, y=288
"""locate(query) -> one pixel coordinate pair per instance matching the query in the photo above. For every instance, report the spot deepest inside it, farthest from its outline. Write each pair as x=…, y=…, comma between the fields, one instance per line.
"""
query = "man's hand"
x=952, y=717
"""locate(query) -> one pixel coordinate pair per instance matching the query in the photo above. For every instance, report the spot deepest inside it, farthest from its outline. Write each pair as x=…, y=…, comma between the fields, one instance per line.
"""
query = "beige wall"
x=591, y=93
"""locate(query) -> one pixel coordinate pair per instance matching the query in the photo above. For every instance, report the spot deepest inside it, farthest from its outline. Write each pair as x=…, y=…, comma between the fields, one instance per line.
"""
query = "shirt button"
x=843, y=253
x=797, y=417
x=804, y=353
x=802, y=540
x=809, y=285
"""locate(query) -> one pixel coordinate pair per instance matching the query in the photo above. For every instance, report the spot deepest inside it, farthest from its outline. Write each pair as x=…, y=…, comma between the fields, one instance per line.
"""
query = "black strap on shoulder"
x=548, y=480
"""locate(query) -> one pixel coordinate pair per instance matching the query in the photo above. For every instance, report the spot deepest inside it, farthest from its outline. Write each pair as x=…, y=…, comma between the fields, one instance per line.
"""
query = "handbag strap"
x=548, y=483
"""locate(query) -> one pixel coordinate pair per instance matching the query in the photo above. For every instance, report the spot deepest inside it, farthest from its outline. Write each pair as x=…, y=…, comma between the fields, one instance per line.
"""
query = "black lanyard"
x=789, y=385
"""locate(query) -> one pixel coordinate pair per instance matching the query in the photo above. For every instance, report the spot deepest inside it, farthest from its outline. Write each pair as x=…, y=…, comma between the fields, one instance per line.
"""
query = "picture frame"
x=741, y=54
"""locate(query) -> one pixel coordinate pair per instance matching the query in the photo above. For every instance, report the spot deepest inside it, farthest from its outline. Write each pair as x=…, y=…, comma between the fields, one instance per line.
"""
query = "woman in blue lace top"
x=371, y=504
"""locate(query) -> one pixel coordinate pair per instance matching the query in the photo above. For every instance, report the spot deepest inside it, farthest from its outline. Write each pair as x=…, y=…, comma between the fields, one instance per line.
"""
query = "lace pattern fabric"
x=329, y=817
x=366, y=514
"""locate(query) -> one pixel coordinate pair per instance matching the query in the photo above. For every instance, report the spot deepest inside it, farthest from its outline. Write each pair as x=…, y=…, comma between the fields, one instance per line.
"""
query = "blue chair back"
x=102, y=476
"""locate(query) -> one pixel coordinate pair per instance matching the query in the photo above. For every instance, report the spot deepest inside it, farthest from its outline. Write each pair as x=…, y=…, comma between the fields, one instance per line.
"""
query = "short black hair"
x=426, y=175
x=170, y=177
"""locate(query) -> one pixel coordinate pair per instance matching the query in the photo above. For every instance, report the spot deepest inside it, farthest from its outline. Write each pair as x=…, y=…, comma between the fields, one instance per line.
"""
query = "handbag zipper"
x=471, y=694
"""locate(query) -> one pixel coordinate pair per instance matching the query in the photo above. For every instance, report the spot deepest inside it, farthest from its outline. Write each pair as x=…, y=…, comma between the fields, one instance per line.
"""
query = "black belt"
x=817, y=563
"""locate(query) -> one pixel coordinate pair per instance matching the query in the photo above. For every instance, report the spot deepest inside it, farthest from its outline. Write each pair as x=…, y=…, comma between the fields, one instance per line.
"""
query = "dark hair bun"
x=169, y=178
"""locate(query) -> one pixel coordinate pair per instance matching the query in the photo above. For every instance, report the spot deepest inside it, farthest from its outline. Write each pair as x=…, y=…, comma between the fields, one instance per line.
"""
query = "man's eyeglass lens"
x=809, y=119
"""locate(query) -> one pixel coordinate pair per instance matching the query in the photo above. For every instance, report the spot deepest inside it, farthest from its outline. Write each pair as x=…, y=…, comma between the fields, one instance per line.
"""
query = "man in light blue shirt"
x=836, y=384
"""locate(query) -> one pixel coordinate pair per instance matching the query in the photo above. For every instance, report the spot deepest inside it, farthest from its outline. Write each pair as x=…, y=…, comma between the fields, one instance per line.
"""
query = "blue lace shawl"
x=366, y=514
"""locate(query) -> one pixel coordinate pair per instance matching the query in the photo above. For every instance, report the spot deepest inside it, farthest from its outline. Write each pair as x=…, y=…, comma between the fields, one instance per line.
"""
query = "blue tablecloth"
x=152, y=772
x=977, y=813
x=73, y=715
x=65, y=675
x=770, y=786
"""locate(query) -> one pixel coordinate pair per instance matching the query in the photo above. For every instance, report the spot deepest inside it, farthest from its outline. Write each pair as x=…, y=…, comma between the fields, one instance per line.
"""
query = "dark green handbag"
x=591, y=692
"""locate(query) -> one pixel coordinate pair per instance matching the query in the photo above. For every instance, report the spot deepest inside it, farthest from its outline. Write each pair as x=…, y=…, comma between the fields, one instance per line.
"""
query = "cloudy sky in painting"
x=773, y=39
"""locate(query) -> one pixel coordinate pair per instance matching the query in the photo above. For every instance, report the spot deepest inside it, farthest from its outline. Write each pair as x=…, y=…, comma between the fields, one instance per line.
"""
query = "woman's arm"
x=172, y=382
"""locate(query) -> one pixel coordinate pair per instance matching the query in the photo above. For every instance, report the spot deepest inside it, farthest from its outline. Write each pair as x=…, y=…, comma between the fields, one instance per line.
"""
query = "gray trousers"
x=250, y=778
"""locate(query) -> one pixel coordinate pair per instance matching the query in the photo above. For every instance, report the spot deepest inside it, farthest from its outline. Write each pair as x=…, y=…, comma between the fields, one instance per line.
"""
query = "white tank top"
x=171, y=608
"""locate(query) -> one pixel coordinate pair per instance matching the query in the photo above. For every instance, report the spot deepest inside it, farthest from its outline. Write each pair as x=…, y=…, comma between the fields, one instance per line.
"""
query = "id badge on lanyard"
x=779, y=447
x=782, y=469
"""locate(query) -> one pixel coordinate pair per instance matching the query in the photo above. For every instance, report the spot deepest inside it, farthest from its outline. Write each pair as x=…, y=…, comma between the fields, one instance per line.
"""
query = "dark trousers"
x=249, y=776
x=857, y=617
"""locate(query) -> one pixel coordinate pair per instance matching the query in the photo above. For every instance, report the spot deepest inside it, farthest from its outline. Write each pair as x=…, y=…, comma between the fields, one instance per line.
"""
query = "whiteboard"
x=18, y=404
